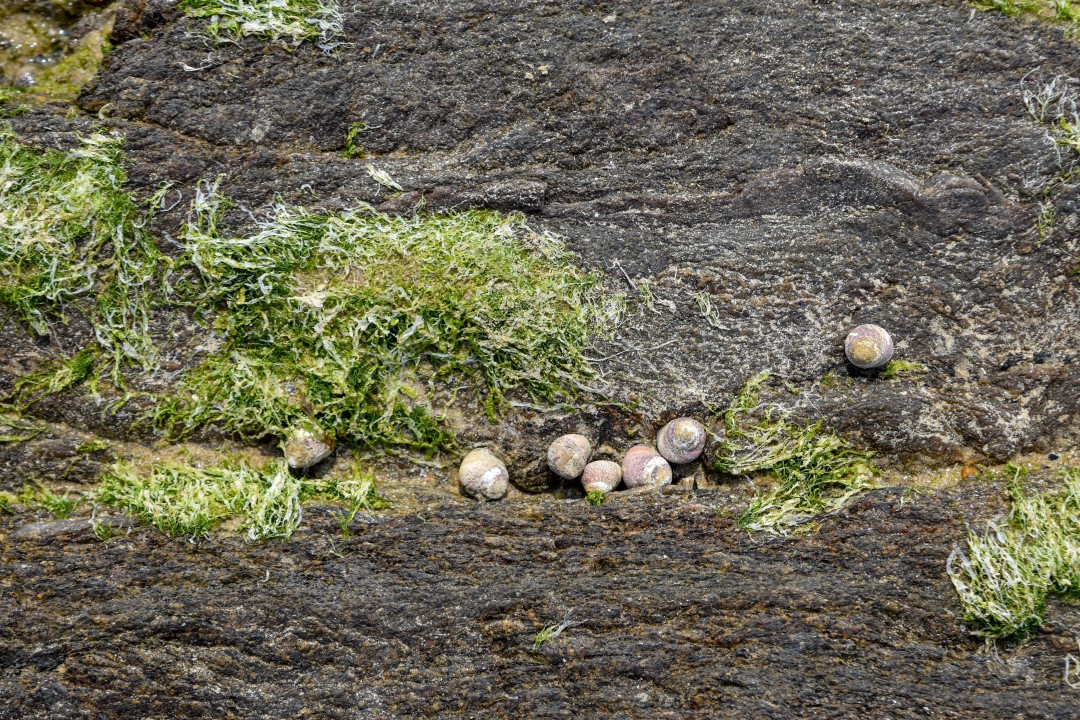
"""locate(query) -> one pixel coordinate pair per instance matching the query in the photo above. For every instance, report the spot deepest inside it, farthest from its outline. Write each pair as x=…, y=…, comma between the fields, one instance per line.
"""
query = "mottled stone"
x=681, y=440
x=568, y=455
x=483, y=476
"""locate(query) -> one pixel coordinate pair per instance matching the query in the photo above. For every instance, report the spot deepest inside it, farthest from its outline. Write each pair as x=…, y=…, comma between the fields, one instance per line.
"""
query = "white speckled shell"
x=868, y=346
x=483, y=476
x=602, y=475
x=304, y=448
x=568, y=455
x=681, y=440
x=642, y=466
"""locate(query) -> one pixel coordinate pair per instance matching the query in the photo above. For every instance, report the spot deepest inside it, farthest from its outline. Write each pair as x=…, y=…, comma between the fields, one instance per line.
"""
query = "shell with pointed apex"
x=868, y=347
x=642, y=466
x=568, y=455
x=304, y=448
x=602, y=475
x=483, y=476
x=681, y=440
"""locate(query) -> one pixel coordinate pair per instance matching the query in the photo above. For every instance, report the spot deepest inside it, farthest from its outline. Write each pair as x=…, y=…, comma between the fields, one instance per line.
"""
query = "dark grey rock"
x=803, y=168
x=674, y=613
x=52, y=530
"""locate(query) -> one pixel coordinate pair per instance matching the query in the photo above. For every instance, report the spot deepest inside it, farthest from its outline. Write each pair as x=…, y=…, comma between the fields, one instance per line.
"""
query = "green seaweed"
x=71, y=238
x=356, y=322
x=189, y=501
x=59, y=506
x=16, y=429
x=1005, y=576
x=902, y=368
x=288, y=22
x=1065, y=12
x=816, y=472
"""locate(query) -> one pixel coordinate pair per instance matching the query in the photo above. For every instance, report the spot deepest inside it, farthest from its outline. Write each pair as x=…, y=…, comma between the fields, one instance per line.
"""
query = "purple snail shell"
x=304, y=448
x=483, y=476
x=681, y=440
x=602, y=475
x=868, y=347
x=568, y=455
x=642, y=466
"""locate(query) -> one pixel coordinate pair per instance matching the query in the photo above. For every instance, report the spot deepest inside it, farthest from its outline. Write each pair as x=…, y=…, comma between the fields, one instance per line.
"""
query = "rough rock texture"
x=801, y=169
x=778, y=173
x=671, y=612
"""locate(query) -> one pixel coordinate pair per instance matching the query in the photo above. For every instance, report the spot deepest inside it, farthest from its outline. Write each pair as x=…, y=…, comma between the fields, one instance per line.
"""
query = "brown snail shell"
x=602, y=475
x=568, y=455
x=642, y=466
x=304, y=447
x=681, y=440
x=868, y=346
x=483, y=476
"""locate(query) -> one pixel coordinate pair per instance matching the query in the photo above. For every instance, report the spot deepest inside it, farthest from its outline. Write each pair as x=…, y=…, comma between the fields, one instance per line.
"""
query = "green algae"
x=816, y=472
x=1005, y=576
x=366, y=325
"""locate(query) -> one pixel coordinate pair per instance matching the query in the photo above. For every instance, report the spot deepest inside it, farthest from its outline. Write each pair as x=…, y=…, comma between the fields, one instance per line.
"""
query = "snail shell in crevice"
x=868, y=347
x=681, y=440
x=568, y=455
x=602, y=475
x=483, y=476
x=642, y=466
x=304, y=448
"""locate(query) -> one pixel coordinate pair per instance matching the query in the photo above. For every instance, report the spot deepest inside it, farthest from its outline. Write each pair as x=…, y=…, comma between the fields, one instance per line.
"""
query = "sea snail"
x=602, y=475
x=642, y=466
x=483, y=476
x=568, y=455
x=868, y=347
x=681, y=440
x=304, y=448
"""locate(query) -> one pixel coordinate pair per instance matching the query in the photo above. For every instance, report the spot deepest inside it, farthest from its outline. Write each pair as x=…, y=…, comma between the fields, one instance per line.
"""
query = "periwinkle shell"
x=483, y=476
x=568, y=455
x=642, y=466
x=304, y=448
x=681, y=440
x=868, y=346
x=602, y=475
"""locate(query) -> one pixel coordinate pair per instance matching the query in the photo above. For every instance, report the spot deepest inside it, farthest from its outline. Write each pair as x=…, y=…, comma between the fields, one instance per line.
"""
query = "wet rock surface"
x=671, y=613
x=776, y=175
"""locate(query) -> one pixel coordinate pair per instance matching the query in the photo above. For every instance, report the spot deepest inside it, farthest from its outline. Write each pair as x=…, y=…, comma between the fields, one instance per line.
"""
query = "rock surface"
x=674, y=614
x=760, y=178
x=776, y=175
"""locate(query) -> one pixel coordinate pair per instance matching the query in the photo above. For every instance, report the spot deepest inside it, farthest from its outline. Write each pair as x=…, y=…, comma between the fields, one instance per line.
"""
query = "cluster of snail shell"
x=485, y=477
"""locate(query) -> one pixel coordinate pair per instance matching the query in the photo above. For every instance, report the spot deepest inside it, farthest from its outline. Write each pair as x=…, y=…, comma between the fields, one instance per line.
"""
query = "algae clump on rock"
x=366, y=323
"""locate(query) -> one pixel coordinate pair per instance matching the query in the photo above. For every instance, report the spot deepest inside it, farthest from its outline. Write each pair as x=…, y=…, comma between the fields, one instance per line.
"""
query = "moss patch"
x=289, y=22
x=188, y=501
x=356, y=322
x=1005, y=576
x=816, y=472
x=71, y=238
